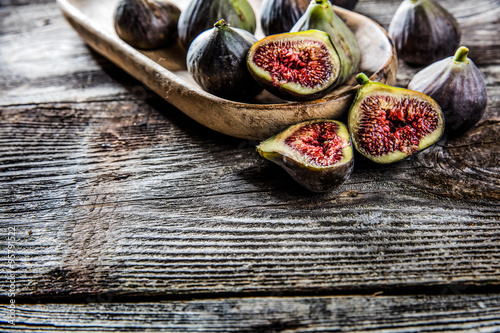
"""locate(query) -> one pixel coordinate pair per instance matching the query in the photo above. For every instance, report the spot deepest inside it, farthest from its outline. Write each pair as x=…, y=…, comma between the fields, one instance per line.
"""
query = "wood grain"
x=457, y=313
x=113, y=191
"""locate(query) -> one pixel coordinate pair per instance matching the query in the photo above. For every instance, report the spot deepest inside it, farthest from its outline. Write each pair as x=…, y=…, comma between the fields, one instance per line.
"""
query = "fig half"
x=388, y=124
x=147, y=24
x=217, y=61
x=423, y=32
x=321, y=16
x=459, y=88
x=295, y=65
x=318, y=153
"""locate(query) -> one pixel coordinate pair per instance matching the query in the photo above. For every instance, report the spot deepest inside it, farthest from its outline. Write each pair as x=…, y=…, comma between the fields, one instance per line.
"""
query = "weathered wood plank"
x=113, y=190
x=457, y=313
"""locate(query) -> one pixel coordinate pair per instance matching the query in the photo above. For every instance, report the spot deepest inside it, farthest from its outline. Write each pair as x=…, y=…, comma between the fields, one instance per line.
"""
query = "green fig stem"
x=220, y=24
x=461, y=54
x=362, y=78
x=321, y=2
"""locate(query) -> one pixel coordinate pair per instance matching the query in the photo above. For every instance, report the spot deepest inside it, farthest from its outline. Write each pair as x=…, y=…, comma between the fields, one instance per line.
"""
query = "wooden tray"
x=164, y=71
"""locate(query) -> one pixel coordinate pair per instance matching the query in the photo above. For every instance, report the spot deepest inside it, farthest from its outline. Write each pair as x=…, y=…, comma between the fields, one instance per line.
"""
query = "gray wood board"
x=112, y=190
x=446, y=313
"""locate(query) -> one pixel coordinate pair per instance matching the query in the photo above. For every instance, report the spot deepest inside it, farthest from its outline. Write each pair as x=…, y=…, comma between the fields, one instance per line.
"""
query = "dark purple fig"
x=201, y=14
x=459, y=88
x=217, y=61
x=278, y=16
x=318, y=153
x=423, y=32
x=388, y=124
x=295, y=65
x=147, y=24
x=347, y=4
x=321, y=16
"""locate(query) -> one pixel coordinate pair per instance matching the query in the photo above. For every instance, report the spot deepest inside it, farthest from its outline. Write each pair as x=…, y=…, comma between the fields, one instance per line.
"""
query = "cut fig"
x=321, y=16
x=295, y=65
x=318, y=153
x=459, y=88
x=217, y=61
x=388, y=124
x=423, y=32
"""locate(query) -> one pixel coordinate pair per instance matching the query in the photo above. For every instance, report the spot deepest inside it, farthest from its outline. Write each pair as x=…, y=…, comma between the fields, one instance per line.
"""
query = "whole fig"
x=459, y=88
x=317, y=153
x=423, y=32
x=146, y=24
x=295, y=65
x=321, y=16
x=388, y=124
x=347, y=4
x=217, y=61
x=201, y=14
x=278, y=16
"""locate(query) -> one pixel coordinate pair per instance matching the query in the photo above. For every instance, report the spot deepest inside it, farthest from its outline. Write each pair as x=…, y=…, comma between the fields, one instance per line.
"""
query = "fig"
x=278, y=16
x=147, y=24
x=458, y=87
x=201, y=14
x=347, y=4
x=317, y=153
x=423, y=32
x=388, y=124
x=321, y=16
x=295, y=65
x=217, y=61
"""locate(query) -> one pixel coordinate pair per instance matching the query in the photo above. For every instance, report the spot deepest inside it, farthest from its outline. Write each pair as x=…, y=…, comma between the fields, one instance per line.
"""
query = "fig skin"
x=283, y=87
x=385, y=125
x=321, y=16
x=459, y=88
x=347, y=4
x=423, y=32
x=147, y=24
x=311, y=175
x=217, y=61
x=278, y=16
x=201, y=14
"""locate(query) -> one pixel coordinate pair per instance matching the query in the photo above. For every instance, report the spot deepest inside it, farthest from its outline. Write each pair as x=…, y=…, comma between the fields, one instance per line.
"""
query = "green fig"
x=423, y=32
x=388, y=124
x=459, y=88
x=201, y=14
x=295, y=65
x=317, y=153
x=321, y=16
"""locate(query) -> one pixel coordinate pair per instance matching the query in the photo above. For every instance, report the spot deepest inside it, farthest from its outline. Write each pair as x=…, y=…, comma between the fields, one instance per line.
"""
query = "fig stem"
x=221, y=23
x=362, y=78
x=461, y=54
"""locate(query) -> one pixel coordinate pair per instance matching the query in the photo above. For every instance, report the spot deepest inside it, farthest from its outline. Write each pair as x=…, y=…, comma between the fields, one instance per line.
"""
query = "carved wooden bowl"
x=164, y=71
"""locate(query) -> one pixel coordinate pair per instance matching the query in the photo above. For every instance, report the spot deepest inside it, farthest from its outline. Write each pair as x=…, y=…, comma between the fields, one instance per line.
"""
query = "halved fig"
x=321, y=16
x=317, y=153
x=388, y=124
x=459, y=88
x=295, y=65
x=423, y=32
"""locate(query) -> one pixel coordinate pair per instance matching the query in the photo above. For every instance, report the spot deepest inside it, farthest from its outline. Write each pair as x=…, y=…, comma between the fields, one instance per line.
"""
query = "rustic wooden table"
x=119, y=213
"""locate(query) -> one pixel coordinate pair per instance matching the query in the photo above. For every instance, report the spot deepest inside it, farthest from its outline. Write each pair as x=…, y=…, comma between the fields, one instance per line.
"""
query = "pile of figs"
x=307, y=51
